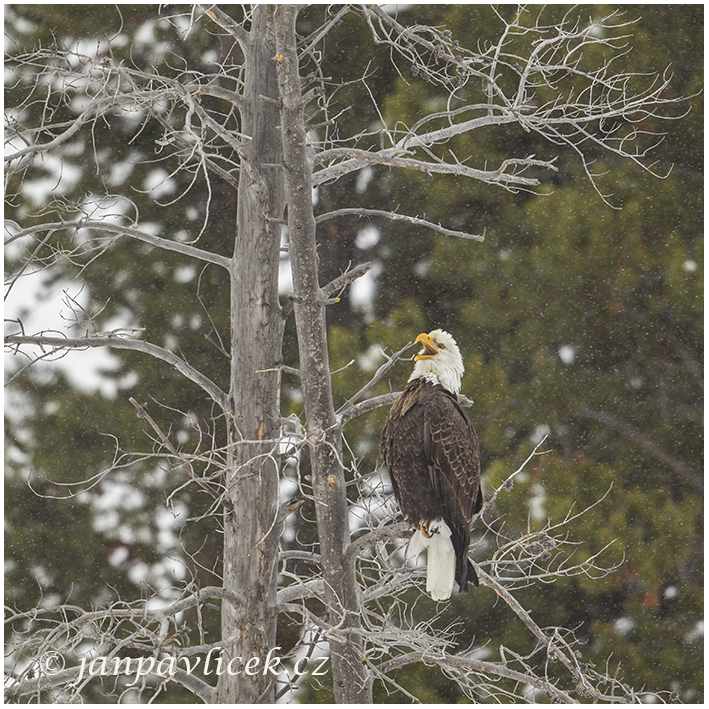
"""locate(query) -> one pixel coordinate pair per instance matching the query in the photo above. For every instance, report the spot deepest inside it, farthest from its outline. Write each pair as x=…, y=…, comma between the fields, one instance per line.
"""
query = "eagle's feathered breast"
x=433, y=457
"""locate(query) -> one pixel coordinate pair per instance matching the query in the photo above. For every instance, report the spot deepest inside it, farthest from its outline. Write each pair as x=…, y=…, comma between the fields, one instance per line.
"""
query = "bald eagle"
x=432, y=453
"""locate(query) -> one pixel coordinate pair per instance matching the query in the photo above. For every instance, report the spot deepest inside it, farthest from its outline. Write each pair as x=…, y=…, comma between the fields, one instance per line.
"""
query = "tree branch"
x=309, y=42
x=121, y=230
x=553, y=651
x=341, y=281
x=194, y=684
x=300, y=591
x=416, y=221
x=391, y=361
x=496, y=669
x=207, y=486
x=126, y=343
x=357, y=159
x=368, y=405
x=375, y=402
x=228, y=24
x=400, y=530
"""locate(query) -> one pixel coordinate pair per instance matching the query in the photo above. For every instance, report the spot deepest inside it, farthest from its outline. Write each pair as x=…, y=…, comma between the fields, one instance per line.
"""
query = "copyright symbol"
x=51, y=663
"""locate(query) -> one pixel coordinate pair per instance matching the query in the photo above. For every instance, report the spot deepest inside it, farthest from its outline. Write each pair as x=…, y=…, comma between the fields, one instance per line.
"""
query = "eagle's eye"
x=441, y=347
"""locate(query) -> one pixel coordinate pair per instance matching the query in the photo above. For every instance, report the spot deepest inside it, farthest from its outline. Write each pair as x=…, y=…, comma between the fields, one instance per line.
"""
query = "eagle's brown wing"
x=453, y=457
x=401, y=447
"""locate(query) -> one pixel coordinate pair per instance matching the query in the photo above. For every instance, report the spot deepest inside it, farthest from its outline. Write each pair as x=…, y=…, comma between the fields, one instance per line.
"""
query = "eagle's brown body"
x=433, y=457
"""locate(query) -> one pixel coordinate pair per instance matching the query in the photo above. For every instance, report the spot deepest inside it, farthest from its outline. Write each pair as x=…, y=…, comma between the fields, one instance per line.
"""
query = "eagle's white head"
x=439, y=361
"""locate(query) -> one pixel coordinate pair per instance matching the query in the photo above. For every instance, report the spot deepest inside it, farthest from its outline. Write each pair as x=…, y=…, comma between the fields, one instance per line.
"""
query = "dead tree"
x=273, y=163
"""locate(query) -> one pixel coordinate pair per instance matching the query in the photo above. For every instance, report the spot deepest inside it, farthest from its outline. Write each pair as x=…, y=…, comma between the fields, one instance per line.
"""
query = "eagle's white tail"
x=440, y=573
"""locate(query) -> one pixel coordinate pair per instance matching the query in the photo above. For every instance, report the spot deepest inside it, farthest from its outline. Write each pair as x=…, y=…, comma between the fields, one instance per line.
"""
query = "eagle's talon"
x=424, y=531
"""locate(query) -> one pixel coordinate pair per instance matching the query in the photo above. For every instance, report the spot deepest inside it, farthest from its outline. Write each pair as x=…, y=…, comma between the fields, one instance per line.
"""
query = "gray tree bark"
x=250, y=532
x=350, y=679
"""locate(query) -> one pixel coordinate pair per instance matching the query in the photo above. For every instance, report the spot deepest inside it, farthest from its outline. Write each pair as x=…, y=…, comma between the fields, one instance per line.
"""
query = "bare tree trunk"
x=250, y=533
x=350, y=679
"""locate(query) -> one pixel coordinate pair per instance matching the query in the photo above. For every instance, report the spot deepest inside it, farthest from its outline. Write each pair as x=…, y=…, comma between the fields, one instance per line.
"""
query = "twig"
x=142, y=412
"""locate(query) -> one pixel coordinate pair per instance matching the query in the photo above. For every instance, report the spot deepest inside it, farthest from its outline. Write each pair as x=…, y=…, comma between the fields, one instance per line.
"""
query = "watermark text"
x=216, y=662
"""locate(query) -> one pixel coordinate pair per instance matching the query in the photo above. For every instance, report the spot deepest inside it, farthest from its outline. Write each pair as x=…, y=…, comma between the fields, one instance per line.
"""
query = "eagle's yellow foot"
x=424, y=531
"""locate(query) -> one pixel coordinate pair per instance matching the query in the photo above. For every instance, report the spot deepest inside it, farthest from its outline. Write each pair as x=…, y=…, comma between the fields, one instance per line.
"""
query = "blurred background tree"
x=579, y=318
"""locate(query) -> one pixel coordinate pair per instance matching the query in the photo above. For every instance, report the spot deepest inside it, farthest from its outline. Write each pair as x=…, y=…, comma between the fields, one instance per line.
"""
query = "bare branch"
x=319, y=34
x=488, y=669
x=393, y=531
x=226, y=23
x=343, y=411
x=595, y=93
x=126, y=343
x=375, y=402
x=121, y=230
x=357, y=159
x=395, y=216
x=65, y=628
x=507, y=485
x=368, y=405
x=142, y=412
x=347, y=277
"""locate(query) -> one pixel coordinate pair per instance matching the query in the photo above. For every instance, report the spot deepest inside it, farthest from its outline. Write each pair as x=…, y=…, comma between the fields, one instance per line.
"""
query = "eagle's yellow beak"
x=429, y=350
